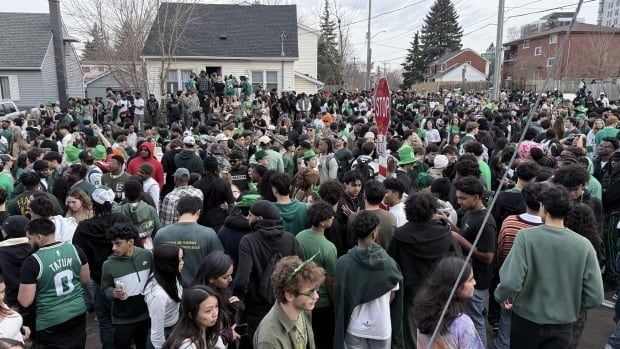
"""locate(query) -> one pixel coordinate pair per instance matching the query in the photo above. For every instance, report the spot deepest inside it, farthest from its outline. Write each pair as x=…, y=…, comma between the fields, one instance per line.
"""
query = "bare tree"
x=513, y=33
x=125, y=27
x=597, y=58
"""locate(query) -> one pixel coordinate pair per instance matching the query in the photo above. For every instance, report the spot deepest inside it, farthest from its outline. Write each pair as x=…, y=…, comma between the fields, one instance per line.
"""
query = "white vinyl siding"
x=307, y=41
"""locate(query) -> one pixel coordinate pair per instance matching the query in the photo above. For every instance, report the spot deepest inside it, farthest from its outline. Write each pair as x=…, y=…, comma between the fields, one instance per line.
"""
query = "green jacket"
x=361, y=276
x=134, y=272
x=189, y=160
x=550, y=275
x=143, y=215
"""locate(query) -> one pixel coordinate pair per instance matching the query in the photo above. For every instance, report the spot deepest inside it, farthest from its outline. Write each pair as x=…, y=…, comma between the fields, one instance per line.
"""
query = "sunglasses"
x=308, y=293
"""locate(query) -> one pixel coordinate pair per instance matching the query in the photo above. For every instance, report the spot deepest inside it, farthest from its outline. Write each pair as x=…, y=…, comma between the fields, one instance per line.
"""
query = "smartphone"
x=242, y=329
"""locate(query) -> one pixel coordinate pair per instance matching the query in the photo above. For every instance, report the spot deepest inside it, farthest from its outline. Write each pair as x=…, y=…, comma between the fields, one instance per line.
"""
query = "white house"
x=261, y=42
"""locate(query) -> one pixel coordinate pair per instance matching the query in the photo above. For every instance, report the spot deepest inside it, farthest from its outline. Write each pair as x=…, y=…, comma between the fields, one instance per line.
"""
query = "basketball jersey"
x=59, y=292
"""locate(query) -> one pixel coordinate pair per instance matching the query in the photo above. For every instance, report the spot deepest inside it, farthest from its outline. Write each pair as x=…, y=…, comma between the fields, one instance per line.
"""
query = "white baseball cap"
x=189, y=140
x=441, y=161
x=221, y=137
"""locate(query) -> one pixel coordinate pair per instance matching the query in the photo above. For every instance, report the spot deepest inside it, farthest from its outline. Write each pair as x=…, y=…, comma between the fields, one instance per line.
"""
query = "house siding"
x=304, y=86
x=308, y=52
x=75, y=78
x=456, y=74
x=234, y=67
x=29, y=84
x=48, y=86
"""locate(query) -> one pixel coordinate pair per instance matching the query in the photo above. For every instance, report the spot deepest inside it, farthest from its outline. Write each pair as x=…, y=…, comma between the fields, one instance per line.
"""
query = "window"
x=268, y=79
x=172, y=83
x=5, y=88
x=550, y=61
x=526, y=44
x=523, y=65
x=468, y=62
x=538, y=51
x=553, y=38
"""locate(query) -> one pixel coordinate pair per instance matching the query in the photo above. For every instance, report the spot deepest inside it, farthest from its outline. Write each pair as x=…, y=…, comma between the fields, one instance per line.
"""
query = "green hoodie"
x=134, y=272
x=144, y=217
x=363, y=275
x=294, y=216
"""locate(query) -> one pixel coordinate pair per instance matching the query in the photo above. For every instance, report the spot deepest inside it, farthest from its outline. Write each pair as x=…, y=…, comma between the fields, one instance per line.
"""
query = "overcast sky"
x=394, y=31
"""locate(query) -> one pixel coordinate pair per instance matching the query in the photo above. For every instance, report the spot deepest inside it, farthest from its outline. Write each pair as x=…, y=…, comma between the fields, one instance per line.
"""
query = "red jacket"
x=158, y=171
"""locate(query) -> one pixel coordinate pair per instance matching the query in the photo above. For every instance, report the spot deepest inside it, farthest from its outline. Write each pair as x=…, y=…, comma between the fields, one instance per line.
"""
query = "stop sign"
x=382, y=105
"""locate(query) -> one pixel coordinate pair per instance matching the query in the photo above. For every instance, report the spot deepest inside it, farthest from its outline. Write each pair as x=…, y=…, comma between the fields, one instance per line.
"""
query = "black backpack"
x=264, y=289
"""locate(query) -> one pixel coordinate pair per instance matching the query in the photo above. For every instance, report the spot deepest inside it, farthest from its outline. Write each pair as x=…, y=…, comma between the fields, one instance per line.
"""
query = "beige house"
x=242, y=40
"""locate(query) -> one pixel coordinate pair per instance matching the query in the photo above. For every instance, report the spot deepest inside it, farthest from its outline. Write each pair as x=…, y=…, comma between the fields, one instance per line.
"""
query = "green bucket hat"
x=309, y=155
x=581, y=109
x=99, y=152
x=72, y=154
x=406, y=155
x=248, y=199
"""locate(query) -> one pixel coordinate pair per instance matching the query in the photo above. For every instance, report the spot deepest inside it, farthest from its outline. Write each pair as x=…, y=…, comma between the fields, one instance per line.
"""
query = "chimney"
x=59, y=51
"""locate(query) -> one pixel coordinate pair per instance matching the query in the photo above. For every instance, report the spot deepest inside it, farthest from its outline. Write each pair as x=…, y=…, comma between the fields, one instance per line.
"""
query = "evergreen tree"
x=96, y=46
x=329, y=60
x=441, y=32
x=414, y=67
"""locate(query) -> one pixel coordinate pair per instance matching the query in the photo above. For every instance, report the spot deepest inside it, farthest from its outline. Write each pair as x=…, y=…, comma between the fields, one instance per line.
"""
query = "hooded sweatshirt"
x=508, y=203
x=144, y=217
x=158, y=171
x=294, y=216
x=363, y=275
x=255, y=252
x=418, y=247
x=190, y=161
x=13, y=251
x=234, y=229
x=90, y=236
x=134, y=272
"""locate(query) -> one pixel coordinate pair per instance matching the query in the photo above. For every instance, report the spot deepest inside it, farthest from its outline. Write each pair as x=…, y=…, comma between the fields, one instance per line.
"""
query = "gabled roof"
x=311, y=79
x=449, y=55
x=459, y=65
x=24, y=39
x=250, y=31
x=577, y=28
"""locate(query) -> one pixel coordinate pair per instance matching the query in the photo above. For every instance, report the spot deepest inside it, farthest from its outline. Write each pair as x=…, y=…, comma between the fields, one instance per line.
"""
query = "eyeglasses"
x=309, y=293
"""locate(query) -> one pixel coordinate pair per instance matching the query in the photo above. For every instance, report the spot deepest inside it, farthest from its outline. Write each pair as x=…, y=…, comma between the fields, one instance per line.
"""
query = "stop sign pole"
x=383, y=109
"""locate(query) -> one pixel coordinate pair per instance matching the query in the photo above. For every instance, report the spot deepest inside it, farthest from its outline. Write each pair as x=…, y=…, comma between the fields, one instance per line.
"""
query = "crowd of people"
x=224, y=217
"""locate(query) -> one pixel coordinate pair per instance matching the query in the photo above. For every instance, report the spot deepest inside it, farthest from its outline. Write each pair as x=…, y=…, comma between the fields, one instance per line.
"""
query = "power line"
x=384, y=13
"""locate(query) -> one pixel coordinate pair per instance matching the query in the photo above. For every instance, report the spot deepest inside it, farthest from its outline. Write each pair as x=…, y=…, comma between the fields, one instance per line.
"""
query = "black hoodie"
x=235, y=227
x=255, y=251
x=417, y=247
x=90, y=235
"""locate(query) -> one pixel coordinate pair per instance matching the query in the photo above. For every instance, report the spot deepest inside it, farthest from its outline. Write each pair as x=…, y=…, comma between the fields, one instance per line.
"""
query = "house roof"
x=577, y=28
x=311, y=79
x=442, y=73
x=250, y=31
x=449, y=55
x=24, y=40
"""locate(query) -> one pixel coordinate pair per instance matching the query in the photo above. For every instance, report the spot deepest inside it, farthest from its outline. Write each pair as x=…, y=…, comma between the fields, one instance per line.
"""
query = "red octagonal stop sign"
x=382, y=105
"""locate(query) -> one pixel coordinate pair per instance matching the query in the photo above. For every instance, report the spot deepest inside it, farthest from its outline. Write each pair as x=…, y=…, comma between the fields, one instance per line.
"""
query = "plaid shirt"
x=168, y=211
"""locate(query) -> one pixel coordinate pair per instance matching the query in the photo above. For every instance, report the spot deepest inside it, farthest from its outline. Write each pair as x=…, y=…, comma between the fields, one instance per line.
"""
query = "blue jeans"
x=103, y=310
x=502, y=338
x=475, y=310
x=614, y=339
x=354, y=342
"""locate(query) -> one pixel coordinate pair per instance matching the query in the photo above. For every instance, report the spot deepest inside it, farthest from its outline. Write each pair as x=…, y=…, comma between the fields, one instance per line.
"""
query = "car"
x=8, y=110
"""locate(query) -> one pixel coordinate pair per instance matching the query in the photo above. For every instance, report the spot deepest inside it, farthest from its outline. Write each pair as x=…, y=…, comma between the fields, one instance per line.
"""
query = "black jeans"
x=527, y=334
x=70, y=334
x=136, y=333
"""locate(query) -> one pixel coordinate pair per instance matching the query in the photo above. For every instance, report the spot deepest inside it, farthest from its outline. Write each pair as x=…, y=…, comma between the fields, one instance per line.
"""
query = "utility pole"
x=341, y=54
x=497, y=74
x=368, y=62
x=384, y=69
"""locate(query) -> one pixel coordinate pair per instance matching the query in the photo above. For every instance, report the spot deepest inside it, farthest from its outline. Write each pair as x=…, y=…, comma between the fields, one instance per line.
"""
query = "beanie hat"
x=265, y=209
x=15, y=226
x=210, y=164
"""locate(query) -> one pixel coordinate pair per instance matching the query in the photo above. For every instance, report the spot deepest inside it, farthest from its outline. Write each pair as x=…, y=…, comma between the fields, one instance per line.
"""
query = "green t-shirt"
x=310, y=243
x=485, y=174
x=6, y=182
x=59, y=292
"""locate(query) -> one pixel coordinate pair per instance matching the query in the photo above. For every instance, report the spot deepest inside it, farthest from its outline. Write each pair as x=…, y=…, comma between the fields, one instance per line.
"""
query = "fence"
x=612, y=90
x=467, y=86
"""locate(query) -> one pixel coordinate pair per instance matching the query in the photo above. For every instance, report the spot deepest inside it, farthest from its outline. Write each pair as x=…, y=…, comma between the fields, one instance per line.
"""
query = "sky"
x=398, y=20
